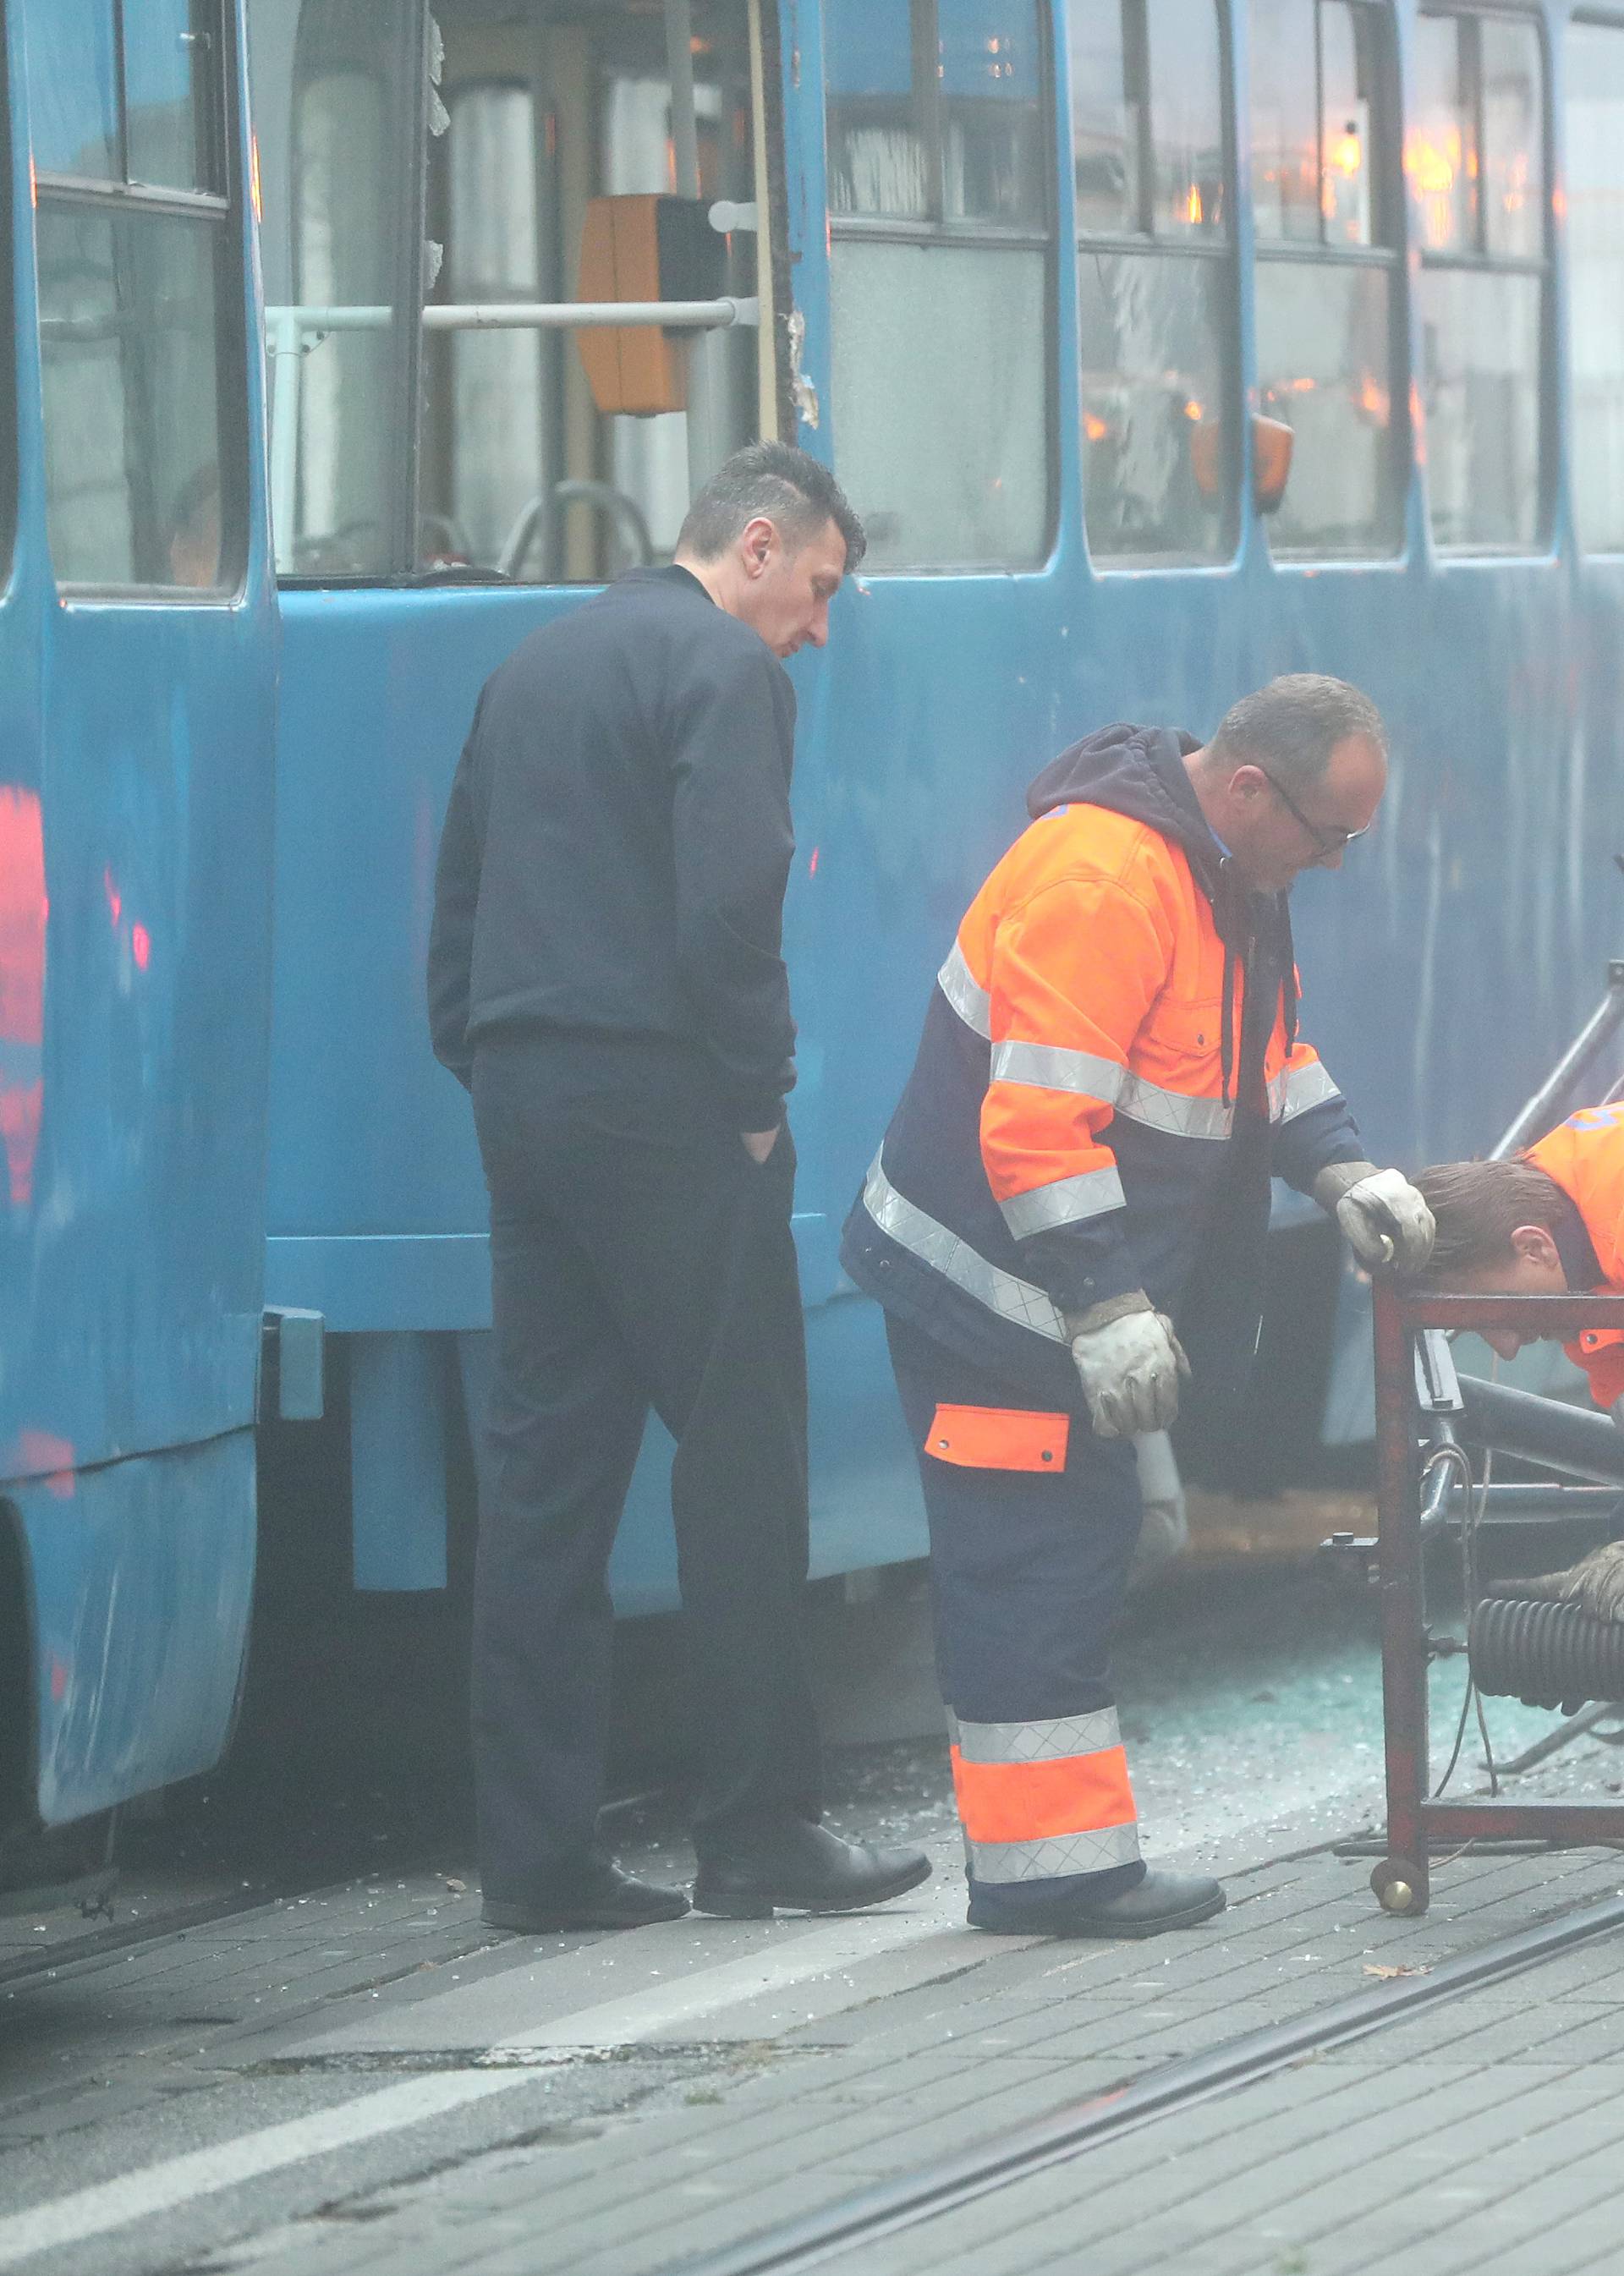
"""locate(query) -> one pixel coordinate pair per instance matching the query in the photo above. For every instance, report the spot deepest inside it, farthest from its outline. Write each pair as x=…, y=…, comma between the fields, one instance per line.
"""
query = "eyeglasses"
x=1327, y=842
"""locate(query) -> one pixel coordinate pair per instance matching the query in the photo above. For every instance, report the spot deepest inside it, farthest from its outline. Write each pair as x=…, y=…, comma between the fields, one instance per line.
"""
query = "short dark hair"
x=1476, y=1206
x=794, y=491
x=1291, y=727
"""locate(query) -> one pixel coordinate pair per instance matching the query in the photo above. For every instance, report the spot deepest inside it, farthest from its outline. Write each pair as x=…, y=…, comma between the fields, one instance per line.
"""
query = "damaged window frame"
x=935, y=229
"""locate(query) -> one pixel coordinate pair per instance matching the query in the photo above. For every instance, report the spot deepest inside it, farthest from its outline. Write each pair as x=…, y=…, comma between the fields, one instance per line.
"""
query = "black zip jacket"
x=617, y=842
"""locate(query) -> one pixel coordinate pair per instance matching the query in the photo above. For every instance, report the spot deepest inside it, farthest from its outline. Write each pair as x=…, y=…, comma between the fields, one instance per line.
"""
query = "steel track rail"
x=33, y=1967
x=913, y=2198
x=99, y=1943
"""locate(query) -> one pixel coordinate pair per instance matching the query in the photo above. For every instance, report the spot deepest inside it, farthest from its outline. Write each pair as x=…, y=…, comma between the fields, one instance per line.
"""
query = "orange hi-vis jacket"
x=1585, y=1157
x=1112, y=1035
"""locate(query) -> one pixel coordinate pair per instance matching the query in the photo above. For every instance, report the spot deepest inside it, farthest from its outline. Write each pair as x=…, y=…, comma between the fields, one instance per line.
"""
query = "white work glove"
x=1130, y=1361
x=1383, y=1218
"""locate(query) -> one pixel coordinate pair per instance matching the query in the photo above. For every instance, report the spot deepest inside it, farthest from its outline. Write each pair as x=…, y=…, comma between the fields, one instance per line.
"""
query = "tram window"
x=127, y=329
x=169, y=71
x=73, y=87
x=940, y=263
x=1154, y=279
x=1594, y=75
x=411, y=443
x=1476, y=161
x=1325, y=284
x=143, y=108
x=136, y=298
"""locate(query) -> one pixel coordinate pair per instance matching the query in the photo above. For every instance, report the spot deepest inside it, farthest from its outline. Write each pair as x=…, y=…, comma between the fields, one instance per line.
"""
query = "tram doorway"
x=435, y=182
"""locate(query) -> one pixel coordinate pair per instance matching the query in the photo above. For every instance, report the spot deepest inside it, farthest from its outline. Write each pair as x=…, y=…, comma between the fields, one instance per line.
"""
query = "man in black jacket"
x=604, y=975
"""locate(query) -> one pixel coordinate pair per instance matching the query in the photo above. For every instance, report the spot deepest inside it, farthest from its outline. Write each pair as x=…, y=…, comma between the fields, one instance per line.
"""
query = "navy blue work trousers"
x=1029, y=1570
x=640, y=1258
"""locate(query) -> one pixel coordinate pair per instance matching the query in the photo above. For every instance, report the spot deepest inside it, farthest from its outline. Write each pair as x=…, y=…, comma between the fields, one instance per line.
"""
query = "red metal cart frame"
x=1416, y=1824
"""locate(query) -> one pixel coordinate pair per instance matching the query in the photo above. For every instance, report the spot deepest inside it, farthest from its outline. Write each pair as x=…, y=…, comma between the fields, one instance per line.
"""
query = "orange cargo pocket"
x=999, y=1439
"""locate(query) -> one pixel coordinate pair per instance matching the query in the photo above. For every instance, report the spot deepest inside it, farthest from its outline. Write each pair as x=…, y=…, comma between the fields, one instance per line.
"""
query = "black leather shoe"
x=803, y=1868
x=1160, y=1900
x=602, y=1897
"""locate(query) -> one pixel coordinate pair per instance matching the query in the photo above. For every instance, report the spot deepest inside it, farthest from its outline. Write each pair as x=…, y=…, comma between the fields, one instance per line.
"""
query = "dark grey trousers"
x=640, y=1258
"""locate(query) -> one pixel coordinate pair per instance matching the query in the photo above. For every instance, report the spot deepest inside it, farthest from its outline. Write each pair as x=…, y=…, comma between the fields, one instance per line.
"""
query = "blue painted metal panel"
x=397, y=1392
x=141, y=1573
x=370, y=1283
x=136, y=742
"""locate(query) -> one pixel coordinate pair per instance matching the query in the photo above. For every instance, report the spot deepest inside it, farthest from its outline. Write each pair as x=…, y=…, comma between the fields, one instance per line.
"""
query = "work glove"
x=1130, y=1362
x=1382, y=1217
x=1596, y=1584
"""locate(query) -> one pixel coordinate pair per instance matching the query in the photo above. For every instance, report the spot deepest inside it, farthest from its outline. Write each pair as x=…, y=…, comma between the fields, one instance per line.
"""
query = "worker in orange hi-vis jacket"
x=1541, y=1223
x=1074, y=1192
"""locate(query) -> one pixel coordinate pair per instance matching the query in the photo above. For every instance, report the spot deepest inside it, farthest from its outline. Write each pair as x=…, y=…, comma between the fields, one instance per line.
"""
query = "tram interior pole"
x=704, y=367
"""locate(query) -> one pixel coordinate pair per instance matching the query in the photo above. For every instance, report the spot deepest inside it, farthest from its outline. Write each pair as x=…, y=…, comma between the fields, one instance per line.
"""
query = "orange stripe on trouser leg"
x=1024, y=1801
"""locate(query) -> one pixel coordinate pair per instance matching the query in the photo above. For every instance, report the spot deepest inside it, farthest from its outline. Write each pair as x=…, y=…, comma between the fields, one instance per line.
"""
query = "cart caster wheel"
x=1395, y=1882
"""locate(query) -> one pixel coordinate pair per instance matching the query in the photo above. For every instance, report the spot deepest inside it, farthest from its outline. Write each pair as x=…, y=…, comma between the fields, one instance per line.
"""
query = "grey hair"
x=1291, y=727
x=795, y=492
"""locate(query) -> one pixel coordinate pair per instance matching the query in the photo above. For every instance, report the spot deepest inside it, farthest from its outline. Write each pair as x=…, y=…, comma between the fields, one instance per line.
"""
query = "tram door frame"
x=378, y=1216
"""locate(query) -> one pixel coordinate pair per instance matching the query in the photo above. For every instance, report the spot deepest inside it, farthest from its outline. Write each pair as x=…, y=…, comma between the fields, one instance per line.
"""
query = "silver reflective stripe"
x=1294, y=1090
x=1052, y=1067
x=935, y=1246
x=1172, y=1111
x=1056, y=1855
x=1069, y=1200
x=971, y=1001
x=1039, y=1742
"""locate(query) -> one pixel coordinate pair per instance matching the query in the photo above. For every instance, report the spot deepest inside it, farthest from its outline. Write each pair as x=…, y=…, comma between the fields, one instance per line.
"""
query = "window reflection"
x=1152, y=395
x=1284, y=152
x=1324, y=367
x=1440, y=155
x=1186, y=131
x=73, y=87
x=948, y=454
x=936, y=129
x=1106, y=119
x=1475, y=163
x=1480, y=334
x=127, y=340
x=1345, y=81
x=1326, y=272
x=1595, y=75
x=171, y=60
x=1149, y=148
x=876, y=150
x=1513, y=189
x=993, y=143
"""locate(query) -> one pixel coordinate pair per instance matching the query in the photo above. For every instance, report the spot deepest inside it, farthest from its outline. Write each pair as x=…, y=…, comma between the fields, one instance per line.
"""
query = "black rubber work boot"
x=600, y=1896
x=1160, y=1900
x=803, y=1868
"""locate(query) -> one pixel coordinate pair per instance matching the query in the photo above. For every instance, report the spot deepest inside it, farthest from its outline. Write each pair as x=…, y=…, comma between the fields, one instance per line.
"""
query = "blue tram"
x=1165, y=344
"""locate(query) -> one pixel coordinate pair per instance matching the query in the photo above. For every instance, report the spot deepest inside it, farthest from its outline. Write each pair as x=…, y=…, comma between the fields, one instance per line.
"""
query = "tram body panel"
x=142, y=699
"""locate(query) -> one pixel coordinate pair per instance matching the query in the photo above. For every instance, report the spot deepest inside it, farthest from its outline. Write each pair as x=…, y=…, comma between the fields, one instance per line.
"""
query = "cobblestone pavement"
x=360, y=2076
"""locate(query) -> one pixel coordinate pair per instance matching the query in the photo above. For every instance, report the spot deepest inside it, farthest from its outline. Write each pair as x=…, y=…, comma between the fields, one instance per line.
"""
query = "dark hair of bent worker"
x=775, y=483
x=1291, y=727
x=1477, y=1206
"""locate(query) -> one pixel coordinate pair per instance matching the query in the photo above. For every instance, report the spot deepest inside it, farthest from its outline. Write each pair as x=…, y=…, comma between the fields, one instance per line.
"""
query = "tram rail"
x=909, y=2200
